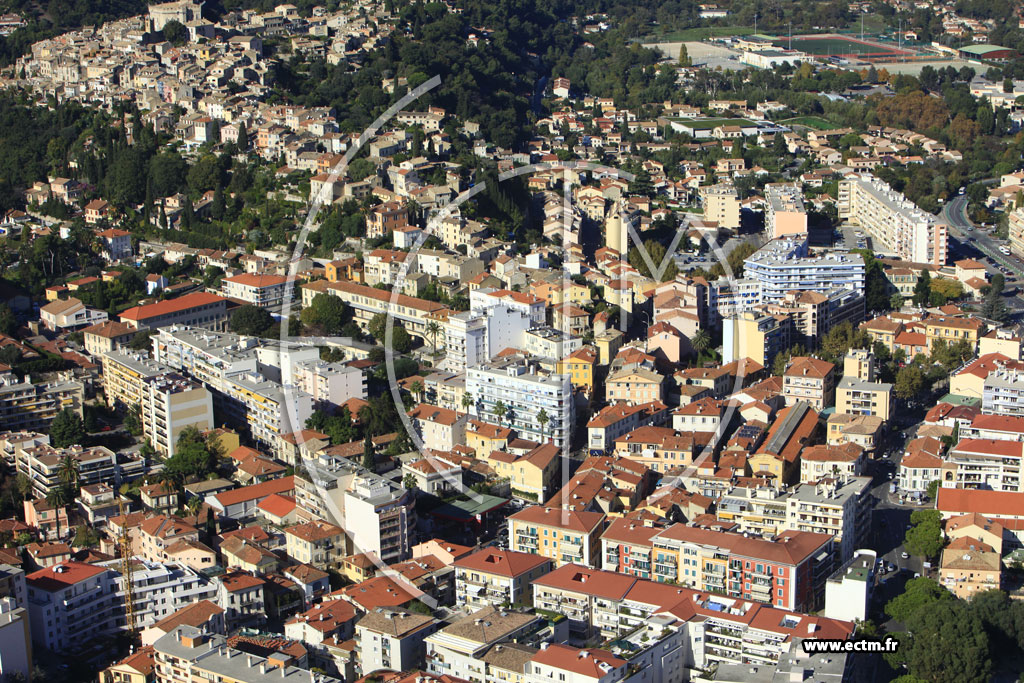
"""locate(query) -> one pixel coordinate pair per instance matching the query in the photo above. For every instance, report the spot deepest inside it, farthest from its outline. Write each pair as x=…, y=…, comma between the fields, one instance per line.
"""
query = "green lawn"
x=815, y=122
x=708, y=124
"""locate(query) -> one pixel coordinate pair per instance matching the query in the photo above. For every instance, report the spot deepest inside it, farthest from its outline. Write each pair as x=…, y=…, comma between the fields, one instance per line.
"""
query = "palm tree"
x=58, y=498
x=433, y=329
x=417, y=390
x=67, y=471
x=24, y=485
x=701, y=341
x=499, y=411
x=467, y=401
x=543, y=419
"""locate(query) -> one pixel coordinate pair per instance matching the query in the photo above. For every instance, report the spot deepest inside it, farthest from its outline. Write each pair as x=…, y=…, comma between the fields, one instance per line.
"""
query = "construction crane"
x=126, y=571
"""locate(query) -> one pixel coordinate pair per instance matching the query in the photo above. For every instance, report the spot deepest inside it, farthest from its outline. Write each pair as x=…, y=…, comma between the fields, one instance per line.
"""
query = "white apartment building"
x=1003, y=392
x=377, y=513
x=160, y=589
x=896, y=225
x=472, y=338
x=842, y=509
x=482, y=299
x=525, y=390
x=392, y=639
x=332, y=383
x=848, y=590
x=784, y=265
x=547, y=342
x=268, y=409
x=983, y=464
x=261, y=290
x=69, y=599
x=456, y=649
x=171, y=404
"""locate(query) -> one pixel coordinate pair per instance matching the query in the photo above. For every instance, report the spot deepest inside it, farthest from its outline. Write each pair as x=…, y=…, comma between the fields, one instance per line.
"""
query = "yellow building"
x=857, y=397
x=138, y=667
x=1002, y=341
x=531, y=476
x=952, y=330
x=608, y=344
x=484, y=438
x=755, y=336
x=565, y=536
x=579, y=366
x=557, y=293
x=125, y=377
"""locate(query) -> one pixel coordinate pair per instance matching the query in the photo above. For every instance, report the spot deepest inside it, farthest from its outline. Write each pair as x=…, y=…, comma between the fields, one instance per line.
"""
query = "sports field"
x=835, y=45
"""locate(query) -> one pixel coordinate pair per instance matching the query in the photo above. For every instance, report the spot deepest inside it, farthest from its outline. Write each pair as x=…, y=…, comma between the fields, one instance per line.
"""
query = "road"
x=969, y=242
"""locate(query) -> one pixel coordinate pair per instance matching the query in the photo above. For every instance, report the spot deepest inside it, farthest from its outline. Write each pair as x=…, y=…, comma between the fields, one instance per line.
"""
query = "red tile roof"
x=501, y=562
x=256, y=491
x=169, y=306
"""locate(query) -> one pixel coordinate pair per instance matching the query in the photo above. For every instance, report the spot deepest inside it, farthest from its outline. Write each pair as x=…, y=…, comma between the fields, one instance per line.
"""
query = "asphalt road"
x=967, y=241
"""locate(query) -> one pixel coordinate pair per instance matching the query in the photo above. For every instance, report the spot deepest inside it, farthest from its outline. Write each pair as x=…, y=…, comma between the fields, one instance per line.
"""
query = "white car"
x=905, y=556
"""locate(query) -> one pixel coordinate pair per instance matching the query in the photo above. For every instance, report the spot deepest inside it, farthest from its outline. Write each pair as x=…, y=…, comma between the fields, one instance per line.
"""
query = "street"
x=966, y=241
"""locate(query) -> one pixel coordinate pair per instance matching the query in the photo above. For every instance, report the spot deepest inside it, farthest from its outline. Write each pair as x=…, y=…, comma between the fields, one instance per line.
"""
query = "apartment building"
x=316, y=543
x=840, y=460
x=187, y=654
x=456, y=649
x=788, y=572
x=841, y=508
x=42, y=465
x=756, y=336
x=392, y=639
x=532, y=475
x=784, y=212
x=920, y=465
x=31, y=406
x=127, y=376
x=810, y=380
x=69, y=599
x=617, y=420
x=987, y=464
x=70, y=314
x=412, y=313
x=107, y=336
x=386, y=218
x=329, y=383
x=198, y=309
x=812, y=314
x=263, y=290
x=559, y=534
x=525, y=390
x=171, y=404
x=492, y=577
x=473, y=338
x=1003, y=392
x=895, y=224
x=785, y=265
x=722, y=205
x=859, y=397
x=378, y=514
x=723, y=631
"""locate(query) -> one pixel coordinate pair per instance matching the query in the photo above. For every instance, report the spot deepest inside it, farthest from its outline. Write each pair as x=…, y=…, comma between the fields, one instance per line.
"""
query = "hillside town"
x=315, y=368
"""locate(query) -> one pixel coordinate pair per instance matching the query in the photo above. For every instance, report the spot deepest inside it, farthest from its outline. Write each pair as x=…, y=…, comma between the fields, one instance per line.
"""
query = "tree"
x=499, y=410
x=58, y=497
x=949, y=644
x=251, y=320
x=401, y=340
x=175, y=32
x=909, y=382
x=243, y=137
x=327, y=313
x=896, y=301
x=8, y=323
x=23, y=484
x=701, y=342
x=933, y=489
x=377, y=326
x=67, y=429
x=416, y=389
x=409, y=482
x=67, y=472
x=922, y=290
x=133, y=420
x=433, y=329
x=467, y=401
x=369, y=459
x=85, y=537
x=543, y=418
x=194, y=457
x=917, y=594
x=924, y=537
